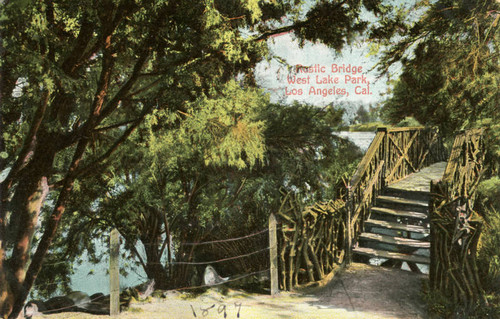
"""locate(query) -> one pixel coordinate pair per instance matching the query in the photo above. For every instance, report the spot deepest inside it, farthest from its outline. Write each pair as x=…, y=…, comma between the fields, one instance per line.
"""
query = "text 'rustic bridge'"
x=408, y=204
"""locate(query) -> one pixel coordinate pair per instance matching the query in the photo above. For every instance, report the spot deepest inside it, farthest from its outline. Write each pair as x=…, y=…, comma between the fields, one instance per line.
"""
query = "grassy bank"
x=364, y=127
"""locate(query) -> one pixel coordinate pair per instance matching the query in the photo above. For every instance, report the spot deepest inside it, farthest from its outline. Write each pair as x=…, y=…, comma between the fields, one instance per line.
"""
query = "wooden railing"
x=311, y=240
x=465, y=165
x=455, y=231
x=392, y=155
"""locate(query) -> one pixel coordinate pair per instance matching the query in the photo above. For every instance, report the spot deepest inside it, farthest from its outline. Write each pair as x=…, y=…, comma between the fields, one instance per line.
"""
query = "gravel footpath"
x=361, y=291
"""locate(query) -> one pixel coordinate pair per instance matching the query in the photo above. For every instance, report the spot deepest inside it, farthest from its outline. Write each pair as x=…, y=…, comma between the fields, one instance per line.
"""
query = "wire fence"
x=93, y=300
x=233, y=278
x=225, y=240
x=213, y=261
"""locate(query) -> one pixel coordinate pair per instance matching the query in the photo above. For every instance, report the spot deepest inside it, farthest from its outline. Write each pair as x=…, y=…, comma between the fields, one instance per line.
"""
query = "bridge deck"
x=420, y=181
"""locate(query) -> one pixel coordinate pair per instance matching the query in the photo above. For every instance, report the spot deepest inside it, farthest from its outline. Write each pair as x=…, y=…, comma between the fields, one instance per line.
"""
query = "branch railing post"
x=453, y=252
x=385, y=154
x=114, y=276
x=273, y=253
x=348, y=226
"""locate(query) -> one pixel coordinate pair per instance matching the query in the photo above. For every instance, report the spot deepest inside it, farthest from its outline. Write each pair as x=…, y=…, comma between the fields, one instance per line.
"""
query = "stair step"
x=391, y=255
x=402, y=201
x=398, y=213
x=385, y=239
x=404, y=193
x=397, y=226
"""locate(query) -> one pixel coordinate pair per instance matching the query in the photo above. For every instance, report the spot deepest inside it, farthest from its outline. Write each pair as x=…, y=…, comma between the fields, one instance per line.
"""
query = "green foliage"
x=366, y=127
x=492, y=143
x=438, y=306
x=162, y=178
x=358, y=112
x=489, y=250
x=408, y=121
x=362, y=115
x=450, y=62
x=490, y=189
x=489, y=254
x=226, y=127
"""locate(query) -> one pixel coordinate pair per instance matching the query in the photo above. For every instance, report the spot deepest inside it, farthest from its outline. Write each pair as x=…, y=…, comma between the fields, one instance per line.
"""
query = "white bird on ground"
x=211, y=277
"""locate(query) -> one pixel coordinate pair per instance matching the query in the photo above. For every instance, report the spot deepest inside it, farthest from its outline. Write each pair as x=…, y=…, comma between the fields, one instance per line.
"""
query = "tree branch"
x=70, y=64
x=135, y=252
x=287, y=29
x=147, y=87
x=113, y=103
x=80, y=55
x=29, y=142
x=91, y=167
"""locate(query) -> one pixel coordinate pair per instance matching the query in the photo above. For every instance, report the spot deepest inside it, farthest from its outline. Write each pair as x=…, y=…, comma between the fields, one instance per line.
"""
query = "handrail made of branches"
x=465, y=164
x=311, y=240
x=455, y=230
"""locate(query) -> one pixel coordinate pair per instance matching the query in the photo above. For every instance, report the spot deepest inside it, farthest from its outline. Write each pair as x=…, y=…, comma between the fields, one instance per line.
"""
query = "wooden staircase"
x=397, y=229
x=388, y=195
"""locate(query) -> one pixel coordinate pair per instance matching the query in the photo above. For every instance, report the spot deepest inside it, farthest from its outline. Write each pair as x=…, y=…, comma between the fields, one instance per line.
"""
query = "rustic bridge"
x=408, y=202
x=388, y=196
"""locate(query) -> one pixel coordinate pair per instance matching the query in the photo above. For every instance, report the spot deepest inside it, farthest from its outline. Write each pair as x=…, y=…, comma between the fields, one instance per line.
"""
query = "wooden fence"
x=454, y=229
x=392, y=155
x=311, y=240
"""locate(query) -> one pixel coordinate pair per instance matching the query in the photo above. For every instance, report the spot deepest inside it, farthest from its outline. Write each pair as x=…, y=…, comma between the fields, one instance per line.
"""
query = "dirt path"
x=361, y=291
x=374, y=291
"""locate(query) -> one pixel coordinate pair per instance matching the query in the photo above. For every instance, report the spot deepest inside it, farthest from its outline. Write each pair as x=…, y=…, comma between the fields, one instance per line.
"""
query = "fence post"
x=348, y=229
x=385, y=153
x=273, y=252
x=114, y=277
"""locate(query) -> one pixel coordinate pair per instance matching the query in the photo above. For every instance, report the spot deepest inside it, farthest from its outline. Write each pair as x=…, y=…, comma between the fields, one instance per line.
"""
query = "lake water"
x=92, y=278
x=98, y=281
x=361, y=139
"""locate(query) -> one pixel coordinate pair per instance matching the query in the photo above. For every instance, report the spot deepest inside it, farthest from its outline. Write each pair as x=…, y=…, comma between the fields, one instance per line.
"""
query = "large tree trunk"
x=50, y=228
x=6, y=296
x=25, y=208
x=28, y=202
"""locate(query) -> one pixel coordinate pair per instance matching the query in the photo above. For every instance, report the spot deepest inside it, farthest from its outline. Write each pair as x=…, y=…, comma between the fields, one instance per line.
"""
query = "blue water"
x=98, y=280
x=92, y=278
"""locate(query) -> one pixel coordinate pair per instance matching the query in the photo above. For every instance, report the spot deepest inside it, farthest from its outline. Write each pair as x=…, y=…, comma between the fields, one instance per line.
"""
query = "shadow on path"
x=365, y=290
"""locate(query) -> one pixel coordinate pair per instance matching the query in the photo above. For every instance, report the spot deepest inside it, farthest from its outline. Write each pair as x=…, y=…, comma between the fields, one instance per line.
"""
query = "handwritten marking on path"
x=221, y=309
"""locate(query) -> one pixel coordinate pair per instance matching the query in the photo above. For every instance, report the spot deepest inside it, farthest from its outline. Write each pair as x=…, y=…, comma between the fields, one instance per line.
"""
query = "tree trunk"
x=169, y=246
x=26, y=205
x=181, y=272
x=52, y=224
x=156, y=271
x=30, y=197
x=154, y=268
